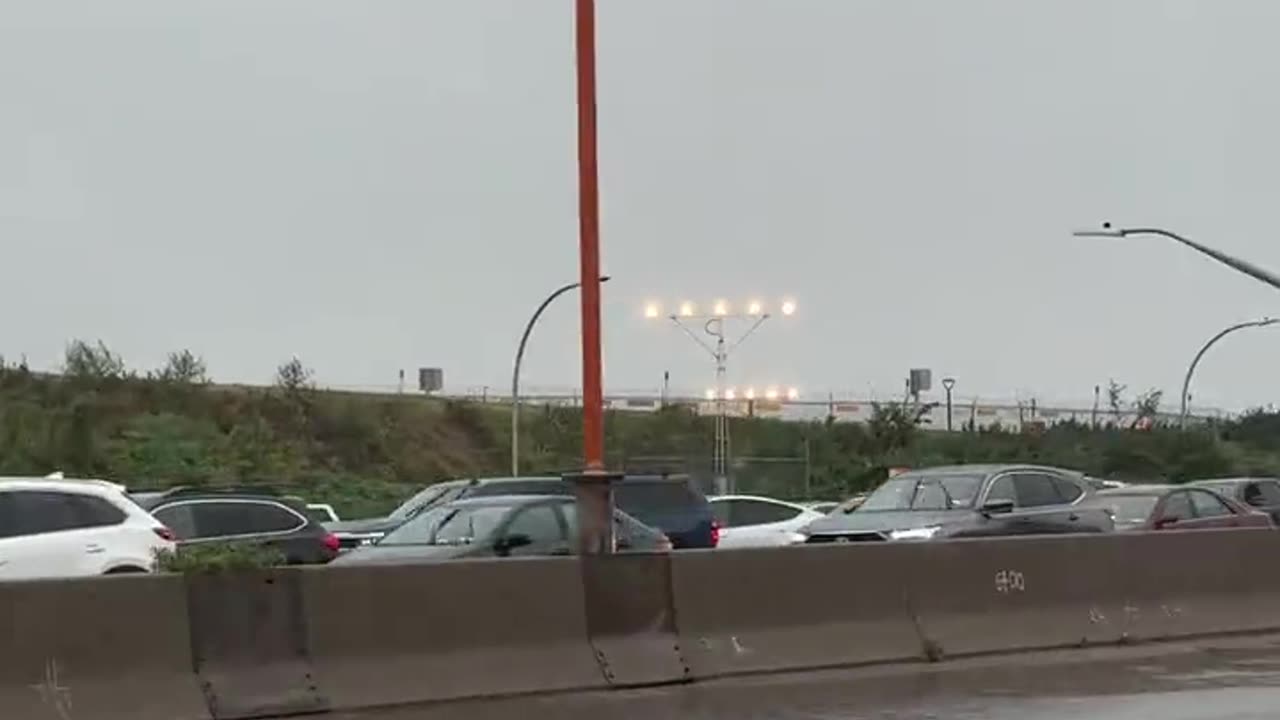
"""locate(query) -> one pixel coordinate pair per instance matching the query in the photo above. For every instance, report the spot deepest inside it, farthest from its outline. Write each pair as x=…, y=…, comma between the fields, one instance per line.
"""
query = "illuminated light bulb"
x=730, y=394
x=652, y=310
x=686, y=309
x=789, y=307
x=721, y=308
x=755, y=308
x=793, y=394
x=771, y=393
x=711, y=394
x=751, y=394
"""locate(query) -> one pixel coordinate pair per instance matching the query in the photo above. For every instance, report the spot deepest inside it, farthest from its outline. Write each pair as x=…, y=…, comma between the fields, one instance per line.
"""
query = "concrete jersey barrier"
x=330, y=640
x=796, y=608
x=115, y=648
x=392, y=635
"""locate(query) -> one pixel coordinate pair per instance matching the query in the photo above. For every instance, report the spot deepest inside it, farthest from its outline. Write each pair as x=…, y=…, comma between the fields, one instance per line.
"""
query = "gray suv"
x=967, y=501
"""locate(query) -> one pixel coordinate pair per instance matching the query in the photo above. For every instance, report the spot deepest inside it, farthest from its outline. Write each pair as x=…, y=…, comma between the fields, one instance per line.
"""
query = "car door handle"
x=93, y=549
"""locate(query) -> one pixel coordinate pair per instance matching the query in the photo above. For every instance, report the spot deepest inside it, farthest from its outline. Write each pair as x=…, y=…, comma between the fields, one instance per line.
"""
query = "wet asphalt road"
x=1221, y=679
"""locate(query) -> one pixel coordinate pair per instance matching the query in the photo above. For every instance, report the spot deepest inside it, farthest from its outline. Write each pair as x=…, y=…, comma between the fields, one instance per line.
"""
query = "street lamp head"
x=605, y=278
x=788, y=307
x=652, y=310
x=755, y=308
x=1107, y=231
x=686, y=309
x=721, y=308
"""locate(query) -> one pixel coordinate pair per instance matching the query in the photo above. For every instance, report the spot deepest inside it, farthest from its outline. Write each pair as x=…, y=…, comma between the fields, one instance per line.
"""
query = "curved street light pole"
x=515, y=373
x=1186, y=383
x=1234, y=263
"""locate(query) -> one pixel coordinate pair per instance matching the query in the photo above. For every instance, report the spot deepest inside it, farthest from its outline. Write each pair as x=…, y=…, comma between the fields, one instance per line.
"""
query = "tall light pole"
x=948, y=384
x=713, y=325
x=1234, y=263
x=1186, y=383
x=593, y=487
x=515, y=372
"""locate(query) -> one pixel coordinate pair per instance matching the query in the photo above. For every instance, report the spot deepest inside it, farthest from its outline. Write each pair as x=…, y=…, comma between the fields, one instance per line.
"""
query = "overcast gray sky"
x=378, y=185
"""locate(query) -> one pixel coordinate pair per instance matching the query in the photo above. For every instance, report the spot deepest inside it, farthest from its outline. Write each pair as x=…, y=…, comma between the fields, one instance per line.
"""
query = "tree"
x=185, y=367
x=293, y=376
x=1146, y=407
x=96, y=362
x=1115, y=398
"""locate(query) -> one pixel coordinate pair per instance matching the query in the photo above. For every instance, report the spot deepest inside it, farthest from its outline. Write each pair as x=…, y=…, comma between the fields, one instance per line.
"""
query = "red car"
x=1176, y=507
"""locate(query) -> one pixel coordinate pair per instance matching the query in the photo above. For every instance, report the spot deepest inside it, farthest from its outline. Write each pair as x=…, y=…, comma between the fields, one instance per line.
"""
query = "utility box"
x=430, y=379
x=920, y=380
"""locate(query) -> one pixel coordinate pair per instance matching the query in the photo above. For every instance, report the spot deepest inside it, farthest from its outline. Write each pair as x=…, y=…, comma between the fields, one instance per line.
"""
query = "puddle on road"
x=1208, y=682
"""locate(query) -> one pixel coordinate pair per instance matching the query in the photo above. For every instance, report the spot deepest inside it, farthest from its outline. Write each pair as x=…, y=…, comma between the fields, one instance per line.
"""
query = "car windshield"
x=924, y=492
x=448, y=525
x=1128, y=509
x=423, y=499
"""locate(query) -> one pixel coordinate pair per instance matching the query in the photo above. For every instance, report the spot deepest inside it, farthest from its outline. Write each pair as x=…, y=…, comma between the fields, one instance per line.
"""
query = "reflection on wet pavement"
x=1211, y=680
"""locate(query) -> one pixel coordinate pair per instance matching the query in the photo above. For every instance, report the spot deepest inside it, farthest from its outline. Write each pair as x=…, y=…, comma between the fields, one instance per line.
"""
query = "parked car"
x=354, y=533
x=821, y=506
x=967, y=501
x=322, y=513
x=497, y=526
x=1258, y=493
x=71, y=528
x=753, y=521
x=199, y=516
x=667, y=503
x=1175, y=507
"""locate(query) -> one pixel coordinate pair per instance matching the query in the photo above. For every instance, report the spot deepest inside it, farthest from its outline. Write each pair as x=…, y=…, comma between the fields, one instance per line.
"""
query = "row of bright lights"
x=750, y=394
x=719, y=307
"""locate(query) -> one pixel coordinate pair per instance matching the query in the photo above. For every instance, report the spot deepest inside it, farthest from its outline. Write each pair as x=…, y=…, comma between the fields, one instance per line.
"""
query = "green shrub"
x=218, y=558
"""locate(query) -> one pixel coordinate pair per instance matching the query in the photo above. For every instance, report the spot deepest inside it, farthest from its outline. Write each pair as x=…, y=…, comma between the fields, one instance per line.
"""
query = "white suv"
x=73, y=528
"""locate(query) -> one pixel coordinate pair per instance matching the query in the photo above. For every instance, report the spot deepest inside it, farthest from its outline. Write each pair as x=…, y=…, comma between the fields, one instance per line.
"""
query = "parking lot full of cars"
x=58, y=527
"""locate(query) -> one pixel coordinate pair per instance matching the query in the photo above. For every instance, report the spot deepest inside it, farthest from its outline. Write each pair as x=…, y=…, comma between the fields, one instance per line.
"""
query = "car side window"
x=178, y=518
x=1035, y=490
x=758, y=512
x=541, y=523
x=1177, y=506
x=722, y=511
x=32, y=512
x=1002, y=489
x=1208, y=505
x=1067, y=490
x=1263, y=494
x=226, y=519
x=741, y=513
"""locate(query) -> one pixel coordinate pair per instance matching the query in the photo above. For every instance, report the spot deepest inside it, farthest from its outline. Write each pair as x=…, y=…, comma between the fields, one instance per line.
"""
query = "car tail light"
x=715, y=533
x=165, y=533
x=331, y=542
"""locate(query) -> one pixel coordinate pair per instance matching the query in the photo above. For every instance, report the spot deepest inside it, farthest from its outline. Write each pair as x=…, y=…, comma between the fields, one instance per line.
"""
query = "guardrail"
x=320, y=640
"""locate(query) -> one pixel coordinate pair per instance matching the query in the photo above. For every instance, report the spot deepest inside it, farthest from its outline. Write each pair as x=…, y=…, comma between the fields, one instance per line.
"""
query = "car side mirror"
x=508, y=543
x=997, y=507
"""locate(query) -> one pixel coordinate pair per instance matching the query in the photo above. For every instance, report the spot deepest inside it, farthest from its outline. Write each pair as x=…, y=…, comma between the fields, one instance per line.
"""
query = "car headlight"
x=796, y=538
x=922, y=533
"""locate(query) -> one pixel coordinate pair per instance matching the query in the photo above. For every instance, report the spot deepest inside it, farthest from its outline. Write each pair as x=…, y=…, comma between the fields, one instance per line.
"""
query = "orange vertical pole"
x=589, y=239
